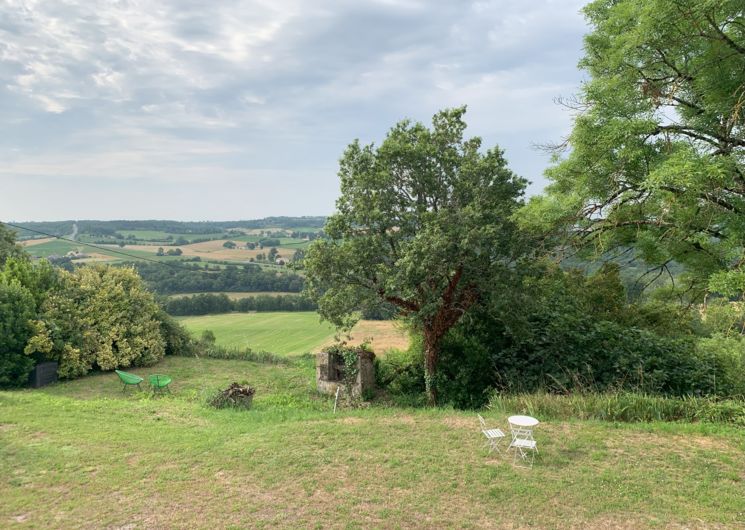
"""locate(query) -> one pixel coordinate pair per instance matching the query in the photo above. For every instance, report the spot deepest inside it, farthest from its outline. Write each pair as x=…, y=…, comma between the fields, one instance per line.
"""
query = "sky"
x=225, y=110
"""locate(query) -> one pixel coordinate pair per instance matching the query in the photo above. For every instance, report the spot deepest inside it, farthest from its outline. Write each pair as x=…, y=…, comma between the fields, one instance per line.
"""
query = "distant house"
x=76, y=254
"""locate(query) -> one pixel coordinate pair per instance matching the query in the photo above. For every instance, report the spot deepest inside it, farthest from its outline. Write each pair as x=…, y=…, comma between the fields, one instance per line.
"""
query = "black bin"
x=43, y=374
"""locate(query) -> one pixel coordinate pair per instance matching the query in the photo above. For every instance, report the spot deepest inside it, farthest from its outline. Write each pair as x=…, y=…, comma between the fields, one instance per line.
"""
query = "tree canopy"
x=8, y=246
x=424, y=222
x=657, y=153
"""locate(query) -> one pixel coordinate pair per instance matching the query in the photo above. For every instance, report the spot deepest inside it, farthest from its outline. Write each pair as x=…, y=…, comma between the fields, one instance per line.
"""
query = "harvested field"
x=211, y=250
x=33, y=242
x=381, y=335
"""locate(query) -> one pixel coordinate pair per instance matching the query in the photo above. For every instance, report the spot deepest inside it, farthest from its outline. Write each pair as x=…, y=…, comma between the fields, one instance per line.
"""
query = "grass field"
x=284, y=333
x=53, y=246
x=84, y=455
x=291, y=333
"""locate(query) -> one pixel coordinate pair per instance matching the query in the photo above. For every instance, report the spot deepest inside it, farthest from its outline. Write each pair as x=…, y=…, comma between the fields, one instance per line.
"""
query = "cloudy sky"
x=197, y=109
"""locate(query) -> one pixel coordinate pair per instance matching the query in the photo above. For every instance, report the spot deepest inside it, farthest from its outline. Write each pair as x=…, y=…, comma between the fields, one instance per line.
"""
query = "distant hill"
x=106, y=228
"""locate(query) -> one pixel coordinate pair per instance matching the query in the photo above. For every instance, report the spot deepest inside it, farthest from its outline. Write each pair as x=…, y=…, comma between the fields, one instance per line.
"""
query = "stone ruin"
x=330, y=372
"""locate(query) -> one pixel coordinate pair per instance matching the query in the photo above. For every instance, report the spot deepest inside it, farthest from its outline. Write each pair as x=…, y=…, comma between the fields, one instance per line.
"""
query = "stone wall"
x=330, y=372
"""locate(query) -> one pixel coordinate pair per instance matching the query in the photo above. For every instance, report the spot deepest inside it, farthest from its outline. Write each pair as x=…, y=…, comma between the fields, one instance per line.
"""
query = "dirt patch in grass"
x=630, y=521
x=676, y=444
x=351, y=420
x=399, y=419
x=459, y=422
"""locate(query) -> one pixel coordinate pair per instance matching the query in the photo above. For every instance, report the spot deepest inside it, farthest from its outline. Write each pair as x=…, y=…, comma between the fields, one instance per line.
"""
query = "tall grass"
x=622, y=406
x=216, y=351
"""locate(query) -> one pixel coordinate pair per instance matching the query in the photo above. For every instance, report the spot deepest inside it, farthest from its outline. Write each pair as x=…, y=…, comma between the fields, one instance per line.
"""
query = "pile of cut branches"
x=237, y=396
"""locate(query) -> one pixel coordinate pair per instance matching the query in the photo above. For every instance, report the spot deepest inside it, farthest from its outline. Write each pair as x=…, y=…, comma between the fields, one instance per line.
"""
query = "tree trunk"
x=431, y=353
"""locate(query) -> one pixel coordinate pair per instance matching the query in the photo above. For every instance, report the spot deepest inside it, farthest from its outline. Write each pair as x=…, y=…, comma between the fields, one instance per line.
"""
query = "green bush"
x=727, y=355
x=563, y=332
x=17, y=309
x=466, y=371
x=401, y=374
x=98, y=317
x=177, y=338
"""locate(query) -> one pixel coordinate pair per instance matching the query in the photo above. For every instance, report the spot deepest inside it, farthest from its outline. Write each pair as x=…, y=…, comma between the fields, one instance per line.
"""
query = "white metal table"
x=525, y=422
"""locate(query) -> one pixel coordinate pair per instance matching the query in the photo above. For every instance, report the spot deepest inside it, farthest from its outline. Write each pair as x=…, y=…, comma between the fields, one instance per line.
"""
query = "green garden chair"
x=129, y=379
x=160, y=382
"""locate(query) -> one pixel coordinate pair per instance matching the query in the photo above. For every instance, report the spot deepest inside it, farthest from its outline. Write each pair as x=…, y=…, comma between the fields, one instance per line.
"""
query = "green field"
x=58, y=247
x=284, y=333
x=82, y=454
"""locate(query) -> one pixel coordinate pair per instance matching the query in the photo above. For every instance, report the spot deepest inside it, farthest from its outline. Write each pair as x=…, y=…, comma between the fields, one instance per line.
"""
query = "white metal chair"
x=523, y=444
x=493, y=436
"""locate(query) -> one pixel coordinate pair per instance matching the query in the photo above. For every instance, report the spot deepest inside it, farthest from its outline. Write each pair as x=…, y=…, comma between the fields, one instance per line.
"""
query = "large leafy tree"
x=657, y=153
x=423, y=223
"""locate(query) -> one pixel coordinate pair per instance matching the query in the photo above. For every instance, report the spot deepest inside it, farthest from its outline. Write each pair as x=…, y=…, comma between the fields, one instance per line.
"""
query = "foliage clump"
x=98, y=317
x=17, y=309
x=562, y=332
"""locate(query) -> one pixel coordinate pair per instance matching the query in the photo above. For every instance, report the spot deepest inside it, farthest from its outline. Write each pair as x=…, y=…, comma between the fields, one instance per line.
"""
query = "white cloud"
x=239, y=91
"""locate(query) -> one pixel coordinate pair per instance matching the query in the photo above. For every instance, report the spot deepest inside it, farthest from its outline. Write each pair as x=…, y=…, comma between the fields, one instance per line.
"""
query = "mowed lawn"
x=284, y=333
x=84, y=455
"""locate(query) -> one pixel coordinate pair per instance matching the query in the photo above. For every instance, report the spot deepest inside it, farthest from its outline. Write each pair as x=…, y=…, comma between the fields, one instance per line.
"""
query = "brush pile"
x=237, y=396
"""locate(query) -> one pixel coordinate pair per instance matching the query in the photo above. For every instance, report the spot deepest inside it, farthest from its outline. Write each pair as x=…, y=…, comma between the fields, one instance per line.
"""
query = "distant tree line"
x=210, y=303
x=108, y=228
x=191, y=278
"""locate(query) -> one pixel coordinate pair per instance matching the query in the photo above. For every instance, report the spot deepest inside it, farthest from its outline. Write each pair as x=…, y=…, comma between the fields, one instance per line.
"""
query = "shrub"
x=207, y=339
x=562, y=332
x=401, y=374
x=178, y=341
x=17, y=309
x=99, y=317
x=727, y=355
x=466, y=373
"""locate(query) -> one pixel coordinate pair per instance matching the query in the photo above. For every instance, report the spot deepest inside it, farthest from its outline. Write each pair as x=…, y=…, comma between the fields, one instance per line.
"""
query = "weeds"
x=621, y=406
